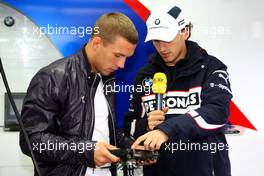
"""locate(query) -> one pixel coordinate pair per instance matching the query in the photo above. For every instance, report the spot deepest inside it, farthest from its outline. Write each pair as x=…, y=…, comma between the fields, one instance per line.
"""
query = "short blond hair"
x=111, y=25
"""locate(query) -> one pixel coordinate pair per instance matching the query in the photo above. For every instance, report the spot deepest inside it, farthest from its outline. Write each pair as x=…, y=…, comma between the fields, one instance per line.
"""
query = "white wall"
x=23, y=53
x=12, y=161
x=232, y=30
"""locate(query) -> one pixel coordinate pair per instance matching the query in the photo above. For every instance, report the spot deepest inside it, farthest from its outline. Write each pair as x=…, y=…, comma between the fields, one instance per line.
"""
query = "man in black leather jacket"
x=58, y=110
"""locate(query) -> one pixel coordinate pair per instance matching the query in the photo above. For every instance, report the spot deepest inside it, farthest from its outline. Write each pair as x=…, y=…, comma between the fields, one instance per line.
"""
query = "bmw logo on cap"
x=157, y=21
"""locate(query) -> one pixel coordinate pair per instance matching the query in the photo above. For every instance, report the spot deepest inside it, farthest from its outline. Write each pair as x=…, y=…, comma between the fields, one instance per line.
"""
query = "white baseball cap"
x=164, y=26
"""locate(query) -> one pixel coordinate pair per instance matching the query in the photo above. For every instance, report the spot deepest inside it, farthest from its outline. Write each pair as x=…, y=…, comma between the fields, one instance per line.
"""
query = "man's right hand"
x=156, y=117
x=102, y=154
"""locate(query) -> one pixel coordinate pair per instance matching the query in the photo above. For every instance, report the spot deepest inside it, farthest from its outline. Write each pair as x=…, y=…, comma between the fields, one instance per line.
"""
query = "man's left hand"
x=152, y=140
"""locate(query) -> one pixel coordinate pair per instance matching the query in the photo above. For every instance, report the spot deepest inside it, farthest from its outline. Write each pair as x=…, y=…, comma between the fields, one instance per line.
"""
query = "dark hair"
x=188, y=27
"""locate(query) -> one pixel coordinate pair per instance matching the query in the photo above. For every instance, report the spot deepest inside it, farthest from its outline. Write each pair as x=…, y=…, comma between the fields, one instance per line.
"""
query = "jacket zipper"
x=111, y=115
x=81, y=171
x=112, y=120
x=92, y=105
x=92, y=124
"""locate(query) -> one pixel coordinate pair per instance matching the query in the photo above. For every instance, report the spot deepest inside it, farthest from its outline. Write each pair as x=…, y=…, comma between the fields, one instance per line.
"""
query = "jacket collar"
x=84, y=62
x=86, y=66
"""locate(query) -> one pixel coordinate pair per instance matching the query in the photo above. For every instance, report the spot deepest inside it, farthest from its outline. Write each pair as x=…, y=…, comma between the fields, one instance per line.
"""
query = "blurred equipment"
x=10, y=122
x=231, y=129
x=131, y=159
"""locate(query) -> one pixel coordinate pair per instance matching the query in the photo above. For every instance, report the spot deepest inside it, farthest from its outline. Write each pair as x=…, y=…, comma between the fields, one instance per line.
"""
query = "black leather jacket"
x=58, y=114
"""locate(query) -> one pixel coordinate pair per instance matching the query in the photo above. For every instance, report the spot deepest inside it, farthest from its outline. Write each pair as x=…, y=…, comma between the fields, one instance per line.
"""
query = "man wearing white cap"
x=189, y=130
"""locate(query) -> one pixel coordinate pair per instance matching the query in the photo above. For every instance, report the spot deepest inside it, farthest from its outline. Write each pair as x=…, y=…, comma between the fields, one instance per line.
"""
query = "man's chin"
x=167, y=60
x=106, y=73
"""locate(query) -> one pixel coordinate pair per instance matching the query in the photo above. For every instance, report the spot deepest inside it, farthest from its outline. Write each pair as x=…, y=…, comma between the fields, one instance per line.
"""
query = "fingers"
x=139, y=147
x=109, y=155
x=152, y=140
x=112, y=158
x=152, y=143
x=165, y=110
x=102, y=154
x=105, y=158
x=110, y=147
x=149, y=142
x=147, y=162
x=155, y=118
x=156, y=115
x=159, y=112
x=138, y=141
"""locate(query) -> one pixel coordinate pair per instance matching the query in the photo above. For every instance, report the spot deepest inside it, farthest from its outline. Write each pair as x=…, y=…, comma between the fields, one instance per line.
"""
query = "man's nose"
x=121, y=62
x=161, y=46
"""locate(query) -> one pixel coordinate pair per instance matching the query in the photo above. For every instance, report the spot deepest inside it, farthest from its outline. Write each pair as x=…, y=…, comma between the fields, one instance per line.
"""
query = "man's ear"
x=185, y=33
x=96, y=42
